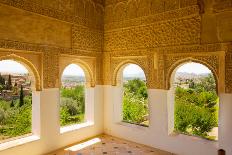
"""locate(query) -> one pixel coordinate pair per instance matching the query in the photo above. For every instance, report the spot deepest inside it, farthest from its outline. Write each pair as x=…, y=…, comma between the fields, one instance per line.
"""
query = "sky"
x=193, y=67
x=10, y=66
x=132, y=70
x=73, y=70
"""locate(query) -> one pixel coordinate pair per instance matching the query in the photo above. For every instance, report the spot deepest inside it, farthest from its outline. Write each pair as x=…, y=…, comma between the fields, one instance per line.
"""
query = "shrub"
x=196, y=108
x=135, y=103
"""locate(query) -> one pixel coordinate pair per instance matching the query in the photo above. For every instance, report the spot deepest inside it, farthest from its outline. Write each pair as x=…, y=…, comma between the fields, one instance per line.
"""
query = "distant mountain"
x=139, y=75
x=133, y=76
x=184, y=75
x=73, y=78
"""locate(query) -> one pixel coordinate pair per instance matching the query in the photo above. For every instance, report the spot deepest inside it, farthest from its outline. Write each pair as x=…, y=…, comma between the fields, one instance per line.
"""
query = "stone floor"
x=108, y=145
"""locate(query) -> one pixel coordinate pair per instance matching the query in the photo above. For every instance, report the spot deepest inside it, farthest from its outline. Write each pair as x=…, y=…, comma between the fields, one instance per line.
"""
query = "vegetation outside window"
x=15, y=100
x=72, y=93
x=196, y=101
x=135, y=96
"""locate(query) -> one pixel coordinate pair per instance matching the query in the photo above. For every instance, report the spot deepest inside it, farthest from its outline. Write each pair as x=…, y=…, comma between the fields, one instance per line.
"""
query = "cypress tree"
x=1, y=81
x=9, y=83
x=12, y=103
x=21, y=97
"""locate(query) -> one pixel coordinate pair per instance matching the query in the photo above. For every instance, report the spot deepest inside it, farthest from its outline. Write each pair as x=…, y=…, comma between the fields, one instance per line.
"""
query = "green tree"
x=12, y=103
x=9, y=83
x=21, y=97
x=77, y=94
x=191, y=84
x=136, y=86
x=207, y=84
x=135, y=102
x=72, y=105
x=1, y=88
x=196, y=108
x=2, y=80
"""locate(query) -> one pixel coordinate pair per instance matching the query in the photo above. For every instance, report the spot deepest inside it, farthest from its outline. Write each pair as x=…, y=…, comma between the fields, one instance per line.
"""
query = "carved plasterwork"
x=86, y=39
x=88, y=64
x=51, y=69
x=63, y=10
x=170, y=15
x=131, y=9
x=228, y=72
x=33, y=71
x=172, y=61
x=119, y=63
x=16, y=45
x=50, y=59
x=224, y=5
x=159, y=63
x=167, y=33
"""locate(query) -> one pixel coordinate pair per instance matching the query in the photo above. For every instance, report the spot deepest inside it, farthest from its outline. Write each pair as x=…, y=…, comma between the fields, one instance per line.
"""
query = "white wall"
x=156, y=135
x=47, y=102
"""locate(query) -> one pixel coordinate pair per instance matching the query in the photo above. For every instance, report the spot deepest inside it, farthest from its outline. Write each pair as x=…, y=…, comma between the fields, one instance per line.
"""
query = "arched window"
x=16, y=85
x=196, y=101
x=72, y=96
x=135, y=96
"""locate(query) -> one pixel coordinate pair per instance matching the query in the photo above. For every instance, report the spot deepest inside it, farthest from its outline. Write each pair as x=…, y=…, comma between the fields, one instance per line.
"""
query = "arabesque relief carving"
x=4, y=55
x=119, y=63
x=158, y=64
x=130, y=9
x=88, y=64
x=63, y=10
x=168, y=33
x=85, y=39
x=104, y=36
x=173, y=60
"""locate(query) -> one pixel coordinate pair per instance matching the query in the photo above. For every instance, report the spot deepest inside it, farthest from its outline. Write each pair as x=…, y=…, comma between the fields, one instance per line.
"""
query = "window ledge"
x=75, y=127
x=17, y=142
x=193, y=138
x=134, y=126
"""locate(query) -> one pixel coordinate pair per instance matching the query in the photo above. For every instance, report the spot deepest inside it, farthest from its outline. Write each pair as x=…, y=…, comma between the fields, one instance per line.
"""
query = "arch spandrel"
x=29, y=66
x=118, y=68
x=182, y=61
x=89, y=74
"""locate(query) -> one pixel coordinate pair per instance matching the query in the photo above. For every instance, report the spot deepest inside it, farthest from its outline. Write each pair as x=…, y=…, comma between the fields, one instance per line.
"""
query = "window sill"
x=17, y=142
x=75, y=127
x=193, y=138
x=134, y=126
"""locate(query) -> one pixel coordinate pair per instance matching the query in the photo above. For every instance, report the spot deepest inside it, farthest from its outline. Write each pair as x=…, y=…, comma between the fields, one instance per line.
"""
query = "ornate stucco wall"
x=42, y=31
x=102, y=36
x=159, y=35
x=155, y=34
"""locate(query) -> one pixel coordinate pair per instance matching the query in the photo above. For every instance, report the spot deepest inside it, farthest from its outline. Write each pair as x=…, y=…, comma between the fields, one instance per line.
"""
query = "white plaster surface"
x=106, y=102
x=157, y=134
x=49, y=134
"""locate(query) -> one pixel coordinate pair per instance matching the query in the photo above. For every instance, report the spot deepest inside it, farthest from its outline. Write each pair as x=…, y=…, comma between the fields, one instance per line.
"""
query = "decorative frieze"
x=160, y=34
x=86, y=39
x=169, y=15
x=58, y=9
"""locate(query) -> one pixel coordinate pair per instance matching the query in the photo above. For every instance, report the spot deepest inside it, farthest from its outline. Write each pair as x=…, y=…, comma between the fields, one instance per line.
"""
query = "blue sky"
x=10, y=66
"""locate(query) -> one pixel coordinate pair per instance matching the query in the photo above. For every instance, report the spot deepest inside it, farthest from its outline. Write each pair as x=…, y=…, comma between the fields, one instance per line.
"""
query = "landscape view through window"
x=15, y=100
x=196, y=101
x=72, y=101
x=135, y=96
